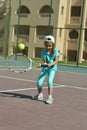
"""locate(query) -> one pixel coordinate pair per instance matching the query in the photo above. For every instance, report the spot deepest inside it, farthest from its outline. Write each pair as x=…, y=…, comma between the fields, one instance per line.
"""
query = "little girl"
x=50, y=57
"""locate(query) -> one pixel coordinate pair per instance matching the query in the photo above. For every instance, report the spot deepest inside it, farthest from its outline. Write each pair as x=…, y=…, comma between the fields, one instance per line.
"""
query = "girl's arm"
x=45, y=61
x=55, y=62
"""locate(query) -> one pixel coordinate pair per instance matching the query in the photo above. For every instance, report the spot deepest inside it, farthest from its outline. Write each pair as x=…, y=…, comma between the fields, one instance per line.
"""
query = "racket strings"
x=19, y=64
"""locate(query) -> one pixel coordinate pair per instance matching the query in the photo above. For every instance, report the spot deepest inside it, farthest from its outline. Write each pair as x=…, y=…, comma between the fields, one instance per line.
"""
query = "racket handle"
x=44, y=65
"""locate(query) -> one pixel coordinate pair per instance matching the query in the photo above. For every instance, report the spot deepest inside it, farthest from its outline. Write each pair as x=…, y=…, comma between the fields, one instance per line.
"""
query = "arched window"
x=23, y=11
x=45, y=11
x=73, y=34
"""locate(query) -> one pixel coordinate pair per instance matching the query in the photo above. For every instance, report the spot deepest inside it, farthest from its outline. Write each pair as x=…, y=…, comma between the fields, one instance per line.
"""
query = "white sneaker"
x=49, y=100
x=38, y=97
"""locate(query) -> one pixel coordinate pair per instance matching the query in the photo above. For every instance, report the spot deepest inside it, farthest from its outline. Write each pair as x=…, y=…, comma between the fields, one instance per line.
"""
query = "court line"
x=58, y=86
x=18, y=79
x=25, y=89
x=3, y=69
x=26, y=80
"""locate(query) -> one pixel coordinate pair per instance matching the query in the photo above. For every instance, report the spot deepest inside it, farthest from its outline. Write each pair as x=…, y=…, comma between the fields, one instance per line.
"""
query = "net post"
x=18, y=29
x=8, y=30
x=81, y=29
x=50, y=17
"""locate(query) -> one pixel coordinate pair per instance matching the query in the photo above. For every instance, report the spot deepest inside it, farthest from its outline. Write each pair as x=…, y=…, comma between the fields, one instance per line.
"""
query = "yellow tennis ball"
x=21, y=46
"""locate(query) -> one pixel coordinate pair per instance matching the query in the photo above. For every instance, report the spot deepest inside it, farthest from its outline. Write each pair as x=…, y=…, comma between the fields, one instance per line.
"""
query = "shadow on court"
x=15, y=95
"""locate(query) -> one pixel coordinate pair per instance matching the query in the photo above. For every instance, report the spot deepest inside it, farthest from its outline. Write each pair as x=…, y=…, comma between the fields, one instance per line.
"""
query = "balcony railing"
x=23, y=15
x=44, y=14
x=23, y=38
x=75, y=20
x=41, y=37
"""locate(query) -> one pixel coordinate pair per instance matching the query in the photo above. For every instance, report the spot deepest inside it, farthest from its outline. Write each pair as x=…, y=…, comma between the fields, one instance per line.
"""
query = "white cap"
x=49, y=38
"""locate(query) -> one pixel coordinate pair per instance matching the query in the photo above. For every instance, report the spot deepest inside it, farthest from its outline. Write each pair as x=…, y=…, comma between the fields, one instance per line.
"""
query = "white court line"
x=18, y=79
x=3, y=69
x=26, y=80
x=25, y=89
x=74, y=87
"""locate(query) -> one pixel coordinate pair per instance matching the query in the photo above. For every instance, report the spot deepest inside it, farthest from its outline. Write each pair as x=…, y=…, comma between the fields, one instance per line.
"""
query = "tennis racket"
x=19, y=63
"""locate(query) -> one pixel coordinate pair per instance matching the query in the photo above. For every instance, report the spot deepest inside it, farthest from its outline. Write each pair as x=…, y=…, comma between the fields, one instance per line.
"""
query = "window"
x=38, y=52
x=73, y=34
x=43, y=30
x=23, y=32
x=72, y=55
x=86, y=35
x=23, y=11
x=1, y=49
x=76, y=11
x=62, y=10
x=45, y=11
x=2, y=33
x=22, y=29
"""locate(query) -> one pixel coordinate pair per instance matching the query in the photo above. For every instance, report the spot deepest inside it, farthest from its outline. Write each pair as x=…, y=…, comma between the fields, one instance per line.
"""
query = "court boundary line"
x=18, y=79
x=58, y=86
x=25, y=89
x=34, y=81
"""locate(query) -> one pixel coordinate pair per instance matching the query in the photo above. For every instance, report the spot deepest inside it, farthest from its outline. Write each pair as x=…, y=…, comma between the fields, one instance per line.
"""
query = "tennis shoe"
x=38, y=97
x=49, y=100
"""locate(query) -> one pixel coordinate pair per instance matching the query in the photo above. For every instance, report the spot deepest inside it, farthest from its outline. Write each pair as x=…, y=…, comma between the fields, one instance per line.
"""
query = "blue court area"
x=61, y=67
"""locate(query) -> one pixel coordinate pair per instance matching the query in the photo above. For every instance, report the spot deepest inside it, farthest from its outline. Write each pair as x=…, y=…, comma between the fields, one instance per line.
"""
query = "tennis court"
x=19, y=112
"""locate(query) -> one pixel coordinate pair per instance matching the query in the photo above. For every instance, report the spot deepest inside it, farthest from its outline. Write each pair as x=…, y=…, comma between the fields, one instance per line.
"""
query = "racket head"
x=19, y=63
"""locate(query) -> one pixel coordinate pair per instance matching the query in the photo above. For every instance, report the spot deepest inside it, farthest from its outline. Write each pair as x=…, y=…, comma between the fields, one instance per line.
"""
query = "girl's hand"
x=50, y=65
x=45, y=63
x=39, y=65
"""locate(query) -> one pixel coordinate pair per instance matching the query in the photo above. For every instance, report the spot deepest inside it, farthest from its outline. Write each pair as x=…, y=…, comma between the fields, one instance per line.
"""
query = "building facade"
x=33, y=23
x=30, y=21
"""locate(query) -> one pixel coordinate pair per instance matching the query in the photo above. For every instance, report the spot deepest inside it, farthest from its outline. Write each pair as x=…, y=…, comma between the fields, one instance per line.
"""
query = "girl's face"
x=48, y=46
